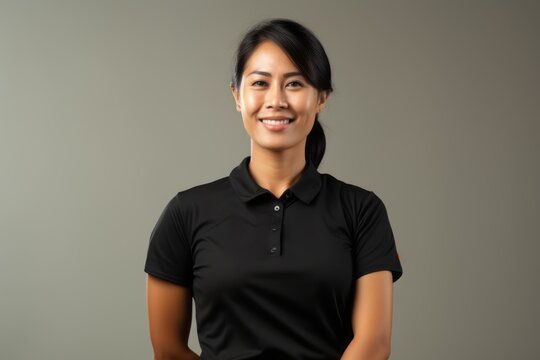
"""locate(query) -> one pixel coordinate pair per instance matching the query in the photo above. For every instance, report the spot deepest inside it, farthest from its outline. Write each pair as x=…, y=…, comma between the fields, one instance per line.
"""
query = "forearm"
x=364, y=349
x=186, y=354
x=190, y=355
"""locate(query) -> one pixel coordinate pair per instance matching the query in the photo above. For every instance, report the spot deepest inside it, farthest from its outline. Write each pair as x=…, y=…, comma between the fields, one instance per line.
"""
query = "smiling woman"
x=278, y=103
x=282, y=72
x=283, y=262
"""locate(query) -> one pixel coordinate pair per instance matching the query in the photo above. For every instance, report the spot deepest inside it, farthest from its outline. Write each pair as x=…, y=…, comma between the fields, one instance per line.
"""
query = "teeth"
x=276, y=122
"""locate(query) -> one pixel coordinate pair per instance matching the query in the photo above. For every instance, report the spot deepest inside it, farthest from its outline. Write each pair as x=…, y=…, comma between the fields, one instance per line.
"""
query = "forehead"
x=269, y=57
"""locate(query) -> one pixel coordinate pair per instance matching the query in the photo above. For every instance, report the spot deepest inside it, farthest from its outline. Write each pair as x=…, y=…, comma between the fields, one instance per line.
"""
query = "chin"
x=275, y=145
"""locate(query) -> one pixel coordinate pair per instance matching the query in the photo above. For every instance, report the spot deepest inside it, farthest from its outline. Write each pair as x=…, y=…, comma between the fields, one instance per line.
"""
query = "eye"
x=262, y=83
x=296, y=82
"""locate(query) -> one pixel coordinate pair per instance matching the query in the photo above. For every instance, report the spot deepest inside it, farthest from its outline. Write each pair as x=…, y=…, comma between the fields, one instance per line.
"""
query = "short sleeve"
x=169, y=251
x=375, y=247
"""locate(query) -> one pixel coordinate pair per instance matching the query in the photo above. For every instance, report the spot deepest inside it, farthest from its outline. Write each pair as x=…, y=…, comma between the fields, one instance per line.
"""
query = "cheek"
x=304, y=103
x=251, y=101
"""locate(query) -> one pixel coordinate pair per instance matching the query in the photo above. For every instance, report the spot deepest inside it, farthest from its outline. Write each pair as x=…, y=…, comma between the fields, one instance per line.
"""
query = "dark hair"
x=306, y=52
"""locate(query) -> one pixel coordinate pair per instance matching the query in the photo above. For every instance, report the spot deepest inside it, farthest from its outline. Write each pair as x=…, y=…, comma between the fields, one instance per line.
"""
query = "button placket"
x=274, y=248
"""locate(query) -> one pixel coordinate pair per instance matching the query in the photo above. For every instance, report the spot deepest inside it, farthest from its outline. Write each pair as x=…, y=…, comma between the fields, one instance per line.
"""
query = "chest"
x=273, y=249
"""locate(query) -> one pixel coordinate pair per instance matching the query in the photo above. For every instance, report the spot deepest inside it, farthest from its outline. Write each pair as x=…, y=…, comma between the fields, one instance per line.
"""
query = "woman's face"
x=272, y=87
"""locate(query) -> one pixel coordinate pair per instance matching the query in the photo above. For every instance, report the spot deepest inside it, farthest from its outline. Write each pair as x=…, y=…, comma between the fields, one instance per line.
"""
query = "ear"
x=323, y=96
x=236, y=97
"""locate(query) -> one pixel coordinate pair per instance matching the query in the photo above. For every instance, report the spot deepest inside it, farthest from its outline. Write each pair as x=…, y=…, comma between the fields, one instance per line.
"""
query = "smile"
x=276, y=122
x=276, y=125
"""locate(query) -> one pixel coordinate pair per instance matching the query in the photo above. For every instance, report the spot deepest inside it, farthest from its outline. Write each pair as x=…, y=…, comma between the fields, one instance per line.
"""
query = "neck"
x=276, y=171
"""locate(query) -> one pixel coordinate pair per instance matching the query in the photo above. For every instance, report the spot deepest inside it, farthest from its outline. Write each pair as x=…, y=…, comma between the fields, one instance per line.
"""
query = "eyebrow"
x=289, y=74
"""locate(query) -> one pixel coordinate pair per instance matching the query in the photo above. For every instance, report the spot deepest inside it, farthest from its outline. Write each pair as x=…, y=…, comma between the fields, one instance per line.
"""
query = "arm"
x=371, y=318
x=169, y=315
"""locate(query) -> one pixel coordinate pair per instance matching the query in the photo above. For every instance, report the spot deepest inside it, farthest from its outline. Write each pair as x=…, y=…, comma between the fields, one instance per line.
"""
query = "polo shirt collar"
x=306, y=188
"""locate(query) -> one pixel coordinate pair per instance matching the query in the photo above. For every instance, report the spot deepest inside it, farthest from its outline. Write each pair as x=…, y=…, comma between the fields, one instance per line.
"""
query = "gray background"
x=108, y=108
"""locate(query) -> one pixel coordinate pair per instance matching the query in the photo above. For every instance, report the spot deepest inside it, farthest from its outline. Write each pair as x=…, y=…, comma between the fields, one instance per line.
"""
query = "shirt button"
x=273, y=250
x=287, y=195
x=274, y=228
x=276, y=208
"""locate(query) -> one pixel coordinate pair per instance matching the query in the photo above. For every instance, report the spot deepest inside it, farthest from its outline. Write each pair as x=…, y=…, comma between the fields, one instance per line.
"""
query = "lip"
x=275, y=117
x=277, y=127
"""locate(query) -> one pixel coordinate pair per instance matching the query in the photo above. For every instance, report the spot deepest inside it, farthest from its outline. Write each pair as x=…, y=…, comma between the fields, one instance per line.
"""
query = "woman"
x=283, y=262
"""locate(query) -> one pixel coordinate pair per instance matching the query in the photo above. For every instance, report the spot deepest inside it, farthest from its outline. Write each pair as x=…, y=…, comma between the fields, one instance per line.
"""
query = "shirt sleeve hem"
x=396, y=271
x=173, y=279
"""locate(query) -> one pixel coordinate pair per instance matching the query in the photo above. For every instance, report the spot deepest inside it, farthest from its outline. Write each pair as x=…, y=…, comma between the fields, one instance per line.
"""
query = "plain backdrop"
x=109, y=108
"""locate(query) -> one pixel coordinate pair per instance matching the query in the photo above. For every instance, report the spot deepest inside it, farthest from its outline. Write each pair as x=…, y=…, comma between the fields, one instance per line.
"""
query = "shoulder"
x=347, y=191
x=204, y=191
x=202, y=198
x=211, y=191
x=356, y=200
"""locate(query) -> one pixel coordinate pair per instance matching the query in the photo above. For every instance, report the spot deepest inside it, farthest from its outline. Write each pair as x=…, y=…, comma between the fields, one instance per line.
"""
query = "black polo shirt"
x=272, y=278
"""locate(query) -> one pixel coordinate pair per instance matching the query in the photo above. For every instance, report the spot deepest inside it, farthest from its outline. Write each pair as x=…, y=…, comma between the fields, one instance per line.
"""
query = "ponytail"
x=315, y=143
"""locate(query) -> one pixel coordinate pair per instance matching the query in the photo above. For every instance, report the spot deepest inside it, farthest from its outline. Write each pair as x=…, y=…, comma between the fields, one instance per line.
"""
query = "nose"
x=276, y=98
